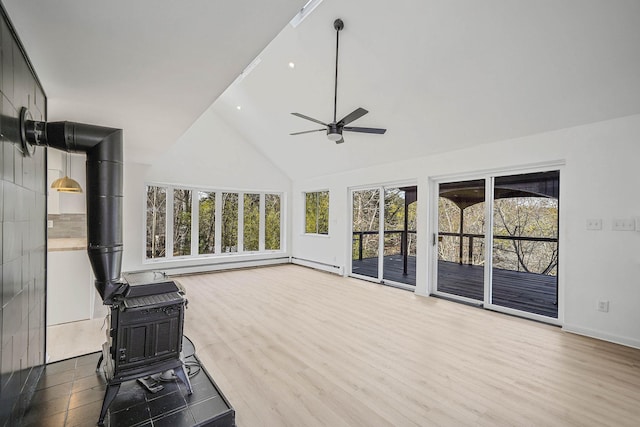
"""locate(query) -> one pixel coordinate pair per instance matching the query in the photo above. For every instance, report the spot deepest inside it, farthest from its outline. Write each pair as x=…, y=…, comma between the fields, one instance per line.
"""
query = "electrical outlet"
x=594, y=224
x=603, y=305
x=624, y=224
x=50, y=223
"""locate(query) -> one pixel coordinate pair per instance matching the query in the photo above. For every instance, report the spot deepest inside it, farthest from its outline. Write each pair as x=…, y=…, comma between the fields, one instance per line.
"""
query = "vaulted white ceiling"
x=150, y=67
x=438, y=74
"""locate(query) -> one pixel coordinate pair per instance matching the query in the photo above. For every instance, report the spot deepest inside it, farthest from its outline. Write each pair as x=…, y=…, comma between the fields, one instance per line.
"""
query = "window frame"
x=145, y=215
x=217, y=218
x=317, y=213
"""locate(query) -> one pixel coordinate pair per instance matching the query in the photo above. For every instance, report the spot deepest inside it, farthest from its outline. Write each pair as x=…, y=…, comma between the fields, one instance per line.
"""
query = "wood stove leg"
x=109, y=395
x=180, y=373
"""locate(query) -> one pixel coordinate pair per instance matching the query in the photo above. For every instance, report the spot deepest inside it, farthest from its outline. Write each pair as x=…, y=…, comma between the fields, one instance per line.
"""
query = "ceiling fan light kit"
x=335, y=128
x=334, y=134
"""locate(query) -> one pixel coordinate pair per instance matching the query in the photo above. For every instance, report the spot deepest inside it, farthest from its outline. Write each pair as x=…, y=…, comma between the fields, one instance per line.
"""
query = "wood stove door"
x=148, y=336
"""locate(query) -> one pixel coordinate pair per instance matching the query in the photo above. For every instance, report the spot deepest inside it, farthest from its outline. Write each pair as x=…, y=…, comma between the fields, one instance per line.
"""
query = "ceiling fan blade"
x=308, y=131
x=364, y=130
x=302, y=116
x=354, y=115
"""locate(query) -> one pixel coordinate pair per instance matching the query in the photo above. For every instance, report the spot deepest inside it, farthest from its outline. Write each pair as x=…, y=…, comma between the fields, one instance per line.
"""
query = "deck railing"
x=474, y=237
x=358, y=239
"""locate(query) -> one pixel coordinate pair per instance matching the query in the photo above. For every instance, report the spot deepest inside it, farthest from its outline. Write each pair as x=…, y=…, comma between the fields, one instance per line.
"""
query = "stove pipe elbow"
x=104, y=171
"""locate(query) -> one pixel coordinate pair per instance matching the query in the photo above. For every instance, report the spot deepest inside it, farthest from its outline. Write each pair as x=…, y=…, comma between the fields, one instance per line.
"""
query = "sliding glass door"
x=525, y=243
x=517, y=271
x=366, y=234
x=461, y=228
x=384, y=235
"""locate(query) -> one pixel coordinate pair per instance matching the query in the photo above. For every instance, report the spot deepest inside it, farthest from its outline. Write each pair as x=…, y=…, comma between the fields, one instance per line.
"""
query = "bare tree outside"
x=536, y=220
x=394, y=213
x=251, y=222
x=209, y=242
x=206, y=222
x=317, y=212
x=366, y=223
x=156, y=222
x=229, y=222
x=449, y=218
x=272, y=221
x=182, y=222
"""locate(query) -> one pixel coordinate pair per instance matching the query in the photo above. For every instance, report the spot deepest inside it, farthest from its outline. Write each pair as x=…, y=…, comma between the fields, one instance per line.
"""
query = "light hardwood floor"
x=291, y=346
x=75, y=339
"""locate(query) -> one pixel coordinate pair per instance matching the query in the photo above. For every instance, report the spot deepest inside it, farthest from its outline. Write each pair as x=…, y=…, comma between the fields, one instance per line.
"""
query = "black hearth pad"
x=70, y=392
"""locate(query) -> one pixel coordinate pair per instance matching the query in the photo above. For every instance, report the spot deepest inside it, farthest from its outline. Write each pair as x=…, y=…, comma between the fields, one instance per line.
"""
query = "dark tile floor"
x=70, y=393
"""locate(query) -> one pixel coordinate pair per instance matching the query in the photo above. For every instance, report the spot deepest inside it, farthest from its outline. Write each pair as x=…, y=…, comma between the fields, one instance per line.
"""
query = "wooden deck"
x=530, y=292
x=393, y=268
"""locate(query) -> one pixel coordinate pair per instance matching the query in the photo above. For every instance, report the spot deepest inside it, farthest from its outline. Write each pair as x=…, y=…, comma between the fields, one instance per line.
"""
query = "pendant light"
x=66, y=184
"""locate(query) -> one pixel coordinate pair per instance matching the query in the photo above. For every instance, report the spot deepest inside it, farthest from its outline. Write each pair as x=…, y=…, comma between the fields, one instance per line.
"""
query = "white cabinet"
x=70, y=290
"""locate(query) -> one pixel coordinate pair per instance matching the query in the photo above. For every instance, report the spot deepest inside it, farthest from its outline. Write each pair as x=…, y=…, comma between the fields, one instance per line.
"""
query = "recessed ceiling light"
x=292, y=65
x=238, y=107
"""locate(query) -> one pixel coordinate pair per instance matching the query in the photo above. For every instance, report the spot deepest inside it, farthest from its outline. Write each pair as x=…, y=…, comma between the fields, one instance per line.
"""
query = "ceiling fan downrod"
x=335, y=128
x=338, y=25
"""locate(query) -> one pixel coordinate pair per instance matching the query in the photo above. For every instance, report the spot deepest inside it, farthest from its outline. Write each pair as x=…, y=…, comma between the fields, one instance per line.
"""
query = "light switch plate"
x=594, y=224
x=623, y=224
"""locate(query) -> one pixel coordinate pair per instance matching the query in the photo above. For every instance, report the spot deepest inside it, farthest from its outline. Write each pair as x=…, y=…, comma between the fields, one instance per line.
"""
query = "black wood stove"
x=147, y=309
x=145, y=334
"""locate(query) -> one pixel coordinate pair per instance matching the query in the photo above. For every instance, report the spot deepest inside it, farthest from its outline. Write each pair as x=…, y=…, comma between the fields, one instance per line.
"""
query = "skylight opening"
x=304, y=12
x=247, y=70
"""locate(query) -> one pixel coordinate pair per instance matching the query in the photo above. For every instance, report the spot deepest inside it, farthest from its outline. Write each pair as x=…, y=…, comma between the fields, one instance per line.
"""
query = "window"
x=251, y=231
x=229, y=222
x=191, y=222
x=156, y=222
x=207, y=222
x=181, y=222
x=272, y=222
x=317, y=212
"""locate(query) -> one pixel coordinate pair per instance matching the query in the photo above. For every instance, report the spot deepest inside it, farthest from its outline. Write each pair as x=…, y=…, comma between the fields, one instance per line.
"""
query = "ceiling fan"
x=335, y=128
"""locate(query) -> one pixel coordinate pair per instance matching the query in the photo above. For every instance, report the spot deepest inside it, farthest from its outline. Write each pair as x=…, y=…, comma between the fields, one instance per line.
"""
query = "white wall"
x=209, y=155
x=598, y=180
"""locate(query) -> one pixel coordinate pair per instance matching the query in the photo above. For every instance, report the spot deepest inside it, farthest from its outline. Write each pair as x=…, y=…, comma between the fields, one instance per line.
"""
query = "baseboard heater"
x=229, y=265
x=336, y=269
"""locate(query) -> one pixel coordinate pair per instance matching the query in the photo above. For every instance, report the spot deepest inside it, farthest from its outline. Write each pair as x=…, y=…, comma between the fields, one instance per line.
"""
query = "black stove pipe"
x=104, y=168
